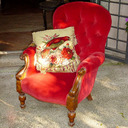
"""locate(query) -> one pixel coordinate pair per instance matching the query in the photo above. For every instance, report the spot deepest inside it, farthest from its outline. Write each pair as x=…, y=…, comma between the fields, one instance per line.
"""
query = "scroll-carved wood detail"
x=72, y=98
x=21, y=74
x=19, y=77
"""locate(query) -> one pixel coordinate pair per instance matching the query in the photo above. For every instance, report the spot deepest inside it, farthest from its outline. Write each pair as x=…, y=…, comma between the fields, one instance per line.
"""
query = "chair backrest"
x=92, y=24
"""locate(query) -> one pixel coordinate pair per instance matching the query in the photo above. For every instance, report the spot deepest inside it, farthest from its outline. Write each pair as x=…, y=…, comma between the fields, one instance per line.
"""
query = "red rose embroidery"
x=67, y=53
x=53, y=59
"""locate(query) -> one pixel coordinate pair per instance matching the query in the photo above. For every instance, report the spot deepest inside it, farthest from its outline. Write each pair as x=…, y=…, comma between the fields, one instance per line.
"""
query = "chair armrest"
x=92, y=62
x=72, y=97
x=75, y=89
x=29, y=68
x=30, y=51
x=22, y=73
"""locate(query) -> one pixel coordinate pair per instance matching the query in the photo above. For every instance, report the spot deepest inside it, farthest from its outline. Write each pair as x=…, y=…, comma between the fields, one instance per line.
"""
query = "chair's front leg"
x=22, y=96
x=71, y=115
x=19, y=77
x=72, y=97
x=22, y=99
x=71, y=105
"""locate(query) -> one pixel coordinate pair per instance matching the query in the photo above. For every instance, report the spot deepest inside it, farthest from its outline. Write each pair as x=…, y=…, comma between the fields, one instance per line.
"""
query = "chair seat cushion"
x=49, y=87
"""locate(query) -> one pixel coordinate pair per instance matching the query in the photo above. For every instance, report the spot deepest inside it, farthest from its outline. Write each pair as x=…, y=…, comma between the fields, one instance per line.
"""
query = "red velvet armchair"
x=92, y=24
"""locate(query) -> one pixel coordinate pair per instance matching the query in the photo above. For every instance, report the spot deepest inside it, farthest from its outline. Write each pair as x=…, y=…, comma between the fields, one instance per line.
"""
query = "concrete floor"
x=109, y=108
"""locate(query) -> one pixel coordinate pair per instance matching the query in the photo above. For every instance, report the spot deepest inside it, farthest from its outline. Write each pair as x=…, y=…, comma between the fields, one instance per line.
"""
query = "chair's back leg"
x=89, y=97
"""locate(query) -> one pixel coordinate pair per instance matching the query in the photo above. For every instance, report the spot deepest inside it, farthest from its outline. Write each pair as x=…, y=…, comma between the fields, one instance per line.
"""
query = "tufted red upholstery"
x=92, y=24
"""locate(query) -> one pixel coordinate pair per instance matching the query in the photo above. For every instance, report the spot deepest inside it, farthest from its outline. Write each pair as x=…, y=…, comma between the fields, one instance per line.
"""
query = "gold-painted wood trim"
x=22, y=73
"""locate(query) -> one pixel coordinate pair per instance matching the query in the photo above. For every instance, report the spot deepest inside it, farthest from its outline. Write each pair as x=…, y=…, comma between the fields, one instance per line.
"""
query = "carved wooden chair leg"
x=22, y=96
x=22, y=99
x=72, y=98
x=71, y=115
x=72, y=103
x=19, y=77
x=89, y=97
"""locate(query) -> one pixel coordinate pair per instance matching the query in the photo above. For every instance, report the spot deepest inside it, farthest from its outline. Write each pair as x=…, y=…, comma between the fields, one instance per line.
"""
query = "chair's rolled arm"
x=22, y=73
x=72, y=97
x=92, y=62
x=75, y=89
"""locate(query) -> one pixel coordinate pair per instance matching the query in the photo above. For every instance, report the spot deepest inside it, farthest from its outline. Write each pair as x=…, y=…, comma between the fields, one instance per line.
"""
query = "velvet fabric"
x=92, y=24
x=49, y=87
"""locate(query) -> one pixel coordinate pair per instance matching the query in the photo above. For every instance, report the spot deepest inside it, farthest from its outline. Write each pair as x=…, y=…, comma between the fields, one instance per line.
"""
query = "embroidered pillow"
x=55, y=51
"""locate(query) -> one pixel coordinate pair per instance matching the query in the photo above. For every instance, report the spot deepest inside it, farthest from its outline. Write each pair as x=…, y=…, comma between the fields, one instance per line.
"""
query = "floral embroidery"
x=53, y=59
x=67, y=53
x=56, y=54
x=47, y=37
